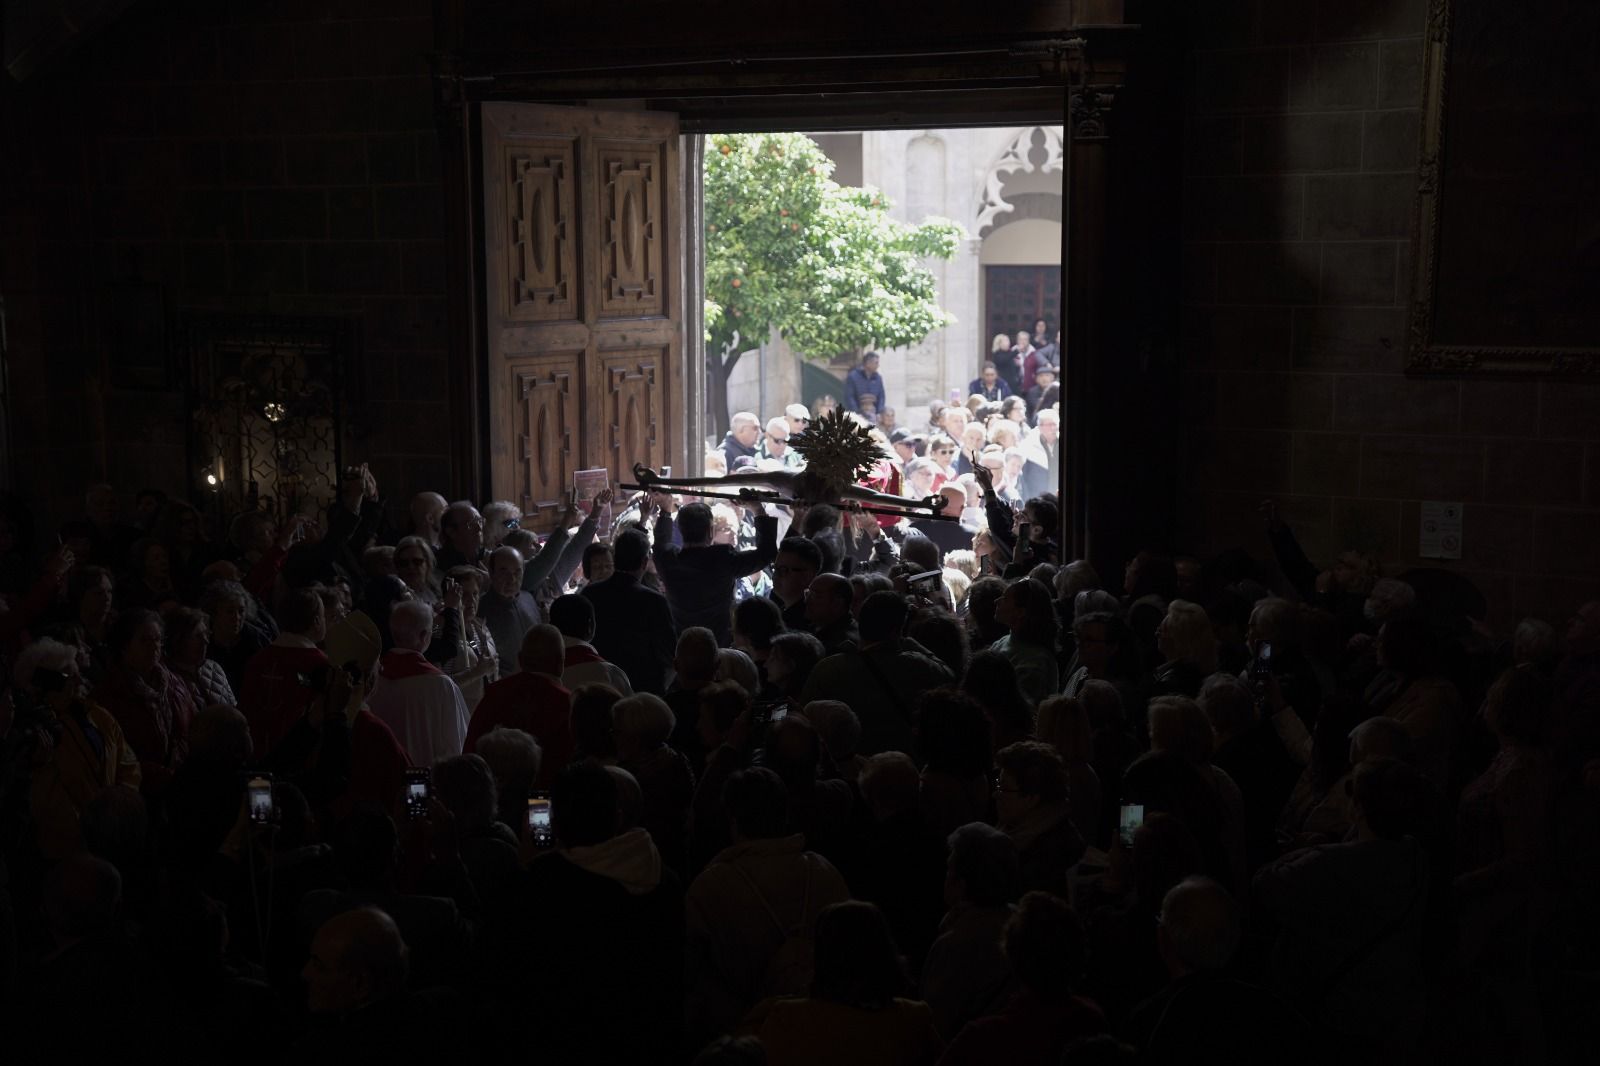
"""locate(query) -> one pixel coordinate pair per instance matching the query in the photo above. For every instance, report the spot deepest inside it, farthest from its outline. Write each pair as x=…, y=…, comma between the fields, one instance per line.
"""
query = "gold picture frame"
x=1506, y=240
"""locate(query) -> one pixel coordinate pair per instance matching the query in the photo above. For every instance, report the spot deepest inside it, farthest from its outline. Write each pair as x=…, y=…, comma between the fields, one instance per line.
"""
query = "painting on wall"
x=1507, y=235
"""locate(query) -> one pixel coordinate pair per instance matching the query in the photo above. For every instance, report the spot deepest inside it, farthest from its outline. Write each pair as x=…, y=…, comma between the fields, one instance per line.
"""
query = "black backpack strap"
x=1348, y=964
x=883, y=682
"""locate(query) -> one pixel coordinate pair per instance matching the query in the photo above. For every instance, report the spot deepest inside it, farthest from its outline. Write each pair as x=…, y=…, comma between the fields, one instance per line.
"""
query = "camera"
x=768, y=712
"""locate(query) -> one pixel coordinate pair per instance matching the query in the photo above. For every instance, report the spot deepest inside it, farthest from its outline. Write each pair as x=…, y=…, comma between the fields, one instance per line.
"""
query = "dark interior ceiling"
x=816, y=64
x=35, y=33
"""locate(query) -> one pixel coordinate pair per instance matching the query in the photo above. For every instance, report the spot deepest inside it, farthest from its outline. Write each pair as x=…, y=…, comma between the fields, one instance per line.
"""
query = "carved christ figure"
x=798, y=486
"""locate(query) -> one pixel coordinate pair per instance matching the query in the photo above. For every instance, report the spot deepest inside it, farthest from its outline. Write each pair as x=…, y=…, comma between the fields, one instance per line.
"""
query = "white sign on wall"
x=1439, y=532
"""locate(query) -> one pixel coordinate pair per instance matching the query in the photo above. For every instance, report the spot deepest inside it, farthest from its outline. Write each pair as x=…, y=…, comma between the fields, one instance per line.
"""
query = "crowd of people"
x=724, y=783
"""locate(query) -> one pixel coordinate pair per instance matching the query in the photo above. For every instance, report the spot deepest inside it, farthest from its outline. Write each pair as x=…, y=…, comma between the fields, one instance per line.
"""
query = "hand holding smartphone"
x=419, y=792
x=259, y=791
x=540, y=831
x=1261, y=665
x=1129, y=821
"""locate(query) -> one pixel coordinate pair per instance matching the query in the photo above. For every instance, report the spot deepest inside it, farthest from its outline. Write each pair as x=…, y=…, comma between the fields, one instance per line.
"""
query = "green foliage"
x=787, y=247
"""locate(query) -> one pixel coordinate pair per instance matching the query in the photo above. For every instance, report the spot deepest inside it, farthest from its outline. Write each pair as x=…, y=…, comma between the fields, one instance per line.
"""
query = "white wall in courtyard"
x=950, y=173
x=955, y=174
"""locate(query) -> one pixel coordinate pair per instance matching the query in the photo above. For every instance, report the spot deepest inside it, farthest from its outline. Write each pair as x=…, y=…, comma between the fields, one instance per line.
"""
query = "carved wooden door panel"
x=583, y=259
x=543, y=423
x=630, y=417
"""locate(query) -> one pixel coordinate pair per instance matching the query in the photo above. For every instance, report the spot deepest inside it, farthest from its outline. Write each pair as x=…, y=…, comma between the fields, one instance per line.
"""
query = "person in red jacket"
x=275, y=694
x=532, y=700
x=378, y=761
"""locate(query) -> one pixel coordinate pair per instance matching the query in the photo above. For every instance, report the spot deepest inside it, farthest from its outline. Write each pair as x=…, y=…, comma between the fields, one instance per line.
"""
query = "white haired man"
x=744, y=430
x=419, y=703
x=775, y=444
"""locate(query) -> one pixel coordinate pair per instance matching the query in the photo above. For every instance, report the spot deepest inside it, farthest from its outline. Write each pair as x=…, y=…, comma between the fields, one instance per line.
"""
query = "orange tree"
x=787, y=248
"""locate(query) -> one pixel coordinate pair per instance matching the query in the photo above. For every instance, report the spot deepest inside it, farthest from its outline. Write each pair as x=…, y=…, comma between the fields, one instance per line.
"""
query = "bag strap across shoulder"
x=766, y=904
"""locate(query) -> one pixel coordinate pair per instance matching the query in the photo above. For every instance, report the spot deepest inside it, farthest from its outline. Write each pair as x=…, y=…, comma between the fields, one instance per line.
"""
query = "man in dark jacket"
x=862, y=381
x=882, y=680
x=949, y=536
x=633, y=624
x=798, y=563
x=989, y=384
x=744, y=430
x=829, y=598
x=699, y=576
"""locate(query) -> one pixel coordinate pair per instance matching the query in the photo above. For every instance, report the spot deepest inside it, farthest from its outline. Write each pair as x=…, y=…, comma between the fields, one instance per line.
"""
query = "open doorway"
x=995, y=192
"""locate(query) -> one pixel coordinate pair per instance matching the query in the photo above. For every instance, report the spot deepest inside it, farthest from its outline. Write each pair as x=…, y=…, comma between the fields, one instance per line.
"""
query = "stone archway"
x=1018, y=223
x=1031, y=165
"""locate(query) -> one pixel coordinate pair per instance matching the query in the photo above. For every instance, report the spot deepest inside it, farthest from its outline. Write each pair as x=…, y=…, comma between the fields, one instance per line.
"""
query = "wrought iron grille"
x=267, y=406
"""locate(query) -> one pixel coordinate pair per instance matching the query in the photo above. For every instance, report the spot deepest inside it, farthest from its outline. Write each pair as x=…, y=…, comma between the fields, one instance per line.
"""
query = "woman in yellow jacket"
x=81, y=750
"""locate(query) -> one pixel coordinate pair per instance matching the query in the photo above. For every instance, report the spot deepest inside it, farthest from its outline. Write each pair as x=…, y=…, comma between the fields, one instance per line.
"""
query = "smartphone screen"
x=539, y=830
x=1261, y=668
x=417, y=793
x=260, y=791
x=1131, y=819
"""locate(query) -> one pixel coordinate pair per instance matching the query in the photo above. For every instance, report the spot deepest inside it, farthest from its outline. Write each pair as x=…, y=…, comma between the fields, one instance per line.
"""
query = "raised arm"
x=1292, y=559
x=544, y=564
x=998, y=514
x=766, y=549
x=572, y=555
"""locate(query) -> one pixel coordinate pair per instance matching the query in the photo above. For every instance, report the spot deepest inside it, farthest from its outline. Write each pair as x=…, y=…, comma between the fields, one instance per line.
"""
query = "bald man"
x=427, y=509
x=533, y=700
x=358, y=959
x=828, y=601
x=949, y=536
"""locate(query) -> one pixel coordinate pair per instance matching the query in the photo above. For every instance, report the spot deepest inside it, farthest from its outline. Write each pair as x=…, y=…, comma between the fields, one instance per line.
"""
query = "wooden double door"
x=583, y=218
x=1017, y=296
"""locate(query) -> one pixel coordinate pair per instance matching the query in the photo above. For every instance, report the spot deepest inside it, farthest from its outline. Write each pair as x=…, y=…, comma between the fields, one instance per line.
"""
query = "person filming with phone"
x=603, y=917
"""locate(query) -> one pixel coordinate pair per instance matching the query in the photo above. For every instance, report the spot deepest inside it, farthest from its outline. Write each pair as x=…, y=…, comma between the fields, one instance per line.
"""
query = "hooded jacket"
x=631, y=860
x=597, y=942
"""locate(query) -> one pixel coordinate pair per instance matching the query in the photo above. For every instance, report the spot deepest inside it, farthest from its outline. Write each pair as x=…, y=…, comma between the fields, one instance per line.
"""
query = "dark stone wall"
x=281, y=157
x=257, y=157
x=1299, y=172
